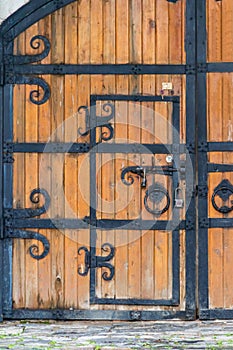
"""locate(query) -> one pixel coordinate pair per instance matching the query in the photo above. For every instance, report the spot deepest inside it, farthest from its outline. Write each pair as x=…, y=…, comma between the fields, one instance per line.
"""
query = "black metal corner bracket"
x=98, y=261
x=101, y=121
x=224, y=191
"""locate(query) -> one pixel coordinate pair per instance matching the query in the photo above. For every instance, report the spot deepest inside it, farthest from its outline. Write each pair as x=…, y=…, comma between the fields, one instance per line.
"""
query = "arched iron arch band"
x=27, y=15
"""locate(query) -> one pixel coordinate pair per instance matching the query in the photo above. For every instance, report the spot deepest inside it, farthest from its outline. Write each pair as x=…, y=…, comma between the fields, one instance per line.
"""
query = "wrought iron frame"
x=19, y=70
x=137, y=224
x=205, y=168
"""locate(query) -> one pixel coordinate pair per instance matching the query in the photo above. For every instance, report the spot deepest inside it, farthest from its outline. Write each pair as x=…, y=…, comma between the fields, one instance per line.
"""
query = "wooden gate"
x=99, y=141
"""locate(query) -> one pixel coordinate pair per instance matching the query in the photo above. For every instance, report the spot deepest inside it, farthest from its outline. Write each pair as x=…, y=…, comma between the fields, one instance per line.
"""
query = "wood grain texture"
x=96, y=31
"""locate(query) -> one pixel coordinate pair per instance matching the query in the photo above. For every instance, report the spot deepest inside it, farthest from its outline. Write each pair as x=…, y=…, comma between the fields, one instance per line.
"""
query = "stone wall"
x=7, y=7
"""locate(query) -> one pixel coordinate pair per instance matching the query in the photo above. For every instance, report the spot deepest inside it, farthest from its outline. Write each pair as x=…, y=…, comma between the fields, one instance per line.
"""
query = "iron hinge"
x=93, y=261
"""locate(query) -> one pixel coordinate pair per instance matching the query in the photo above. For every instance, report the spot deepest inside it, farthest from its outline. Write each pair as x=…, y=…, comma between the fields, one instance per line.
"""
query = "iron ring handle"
x=157, y=212
x=224, y=209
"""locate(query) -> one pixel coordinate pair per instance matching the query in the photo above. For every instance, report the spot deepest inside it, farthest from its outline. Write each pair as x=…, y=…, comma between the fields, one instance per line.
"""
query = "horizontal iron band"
x=101, y=148
x=158, y=302
x=217, y=223
x=138, y=148
x=214, y=314
x=220, y=146
x=108, y=69
x=90, y=314
x=50, y=147
x=221, y=67
x=221, y=168
x=138, y=98
x=100, y=224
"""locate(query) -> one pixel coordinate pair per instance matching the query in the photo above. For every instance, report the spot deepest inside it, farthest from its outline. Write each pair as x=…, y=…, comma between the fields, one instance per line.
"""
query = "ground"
x=116, y=335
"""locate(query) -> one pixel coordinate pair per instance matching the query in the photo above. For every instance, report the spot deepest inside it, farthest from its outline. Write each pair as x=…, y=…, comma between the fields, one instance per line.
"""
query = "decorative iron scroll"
x=35, y=95
x=33, y=249
x=144, y=171
x=35, y=44
x=12, y=214
x=156, y=194
x=98, y=261
x=224, y=190
x=102, y=122
x=11, y=77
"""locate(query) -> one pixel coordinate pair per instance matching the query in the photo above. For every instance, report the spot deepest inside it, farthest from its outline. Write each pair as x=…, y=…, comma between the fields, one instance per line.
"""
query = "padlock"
x=179, y=202
x=144, y=180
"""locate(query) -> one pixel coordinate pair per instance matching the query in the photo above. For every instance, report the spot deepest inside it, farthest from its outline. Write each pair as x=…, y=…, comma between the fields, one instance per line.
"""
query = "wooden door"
x=101, y=163
x=215, y=160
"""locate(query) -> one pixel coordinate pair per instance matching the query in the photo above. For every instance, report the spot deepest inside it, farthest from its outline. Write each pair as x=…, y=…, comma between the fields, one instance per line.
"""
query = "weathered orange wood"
x=227, y=55
x=147, y=136
x=96, y=87
x=161, y=132
x=107, y=162
x=99, y=31
x=215, y=118
x=18, y=190
x=71, y=166
x=121, y=115
x=83, y=187
x=134, y=120
x=44, y=131
x=57, y=162
x=31, y=182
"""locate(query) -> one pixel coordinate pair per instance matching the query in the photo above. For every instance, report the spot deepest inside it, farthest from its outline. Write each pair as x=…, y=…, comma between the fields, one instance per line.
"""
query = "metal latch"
x=91, y=261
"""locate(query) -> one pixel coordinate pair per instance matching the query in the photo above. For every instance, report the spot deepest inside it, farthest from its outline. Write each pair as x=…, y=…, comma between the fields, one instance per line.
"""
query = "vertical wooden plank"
x=161, y=133
x=57, y=204
x=147, y=136
x=215, y=134
x=83, y=98
x=134, y=120
x=71, y=178
x=96, y=87
x=176, y=47
x=31, y=182
x=44, y=131
x=227, y=127
x=108, y=162
x=18, y=184
x=122, y=86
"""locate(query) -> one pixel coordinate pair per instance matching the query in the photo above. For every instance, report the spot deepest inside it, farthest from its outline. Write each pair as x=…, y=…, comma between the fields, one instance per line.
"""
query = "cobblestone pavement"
x=116, y=335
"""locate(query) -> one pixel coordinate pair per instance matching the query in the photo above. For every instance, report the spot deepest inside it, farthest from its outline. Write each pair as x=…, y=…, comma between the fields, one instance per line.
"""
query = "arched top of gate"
x=27, y=15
